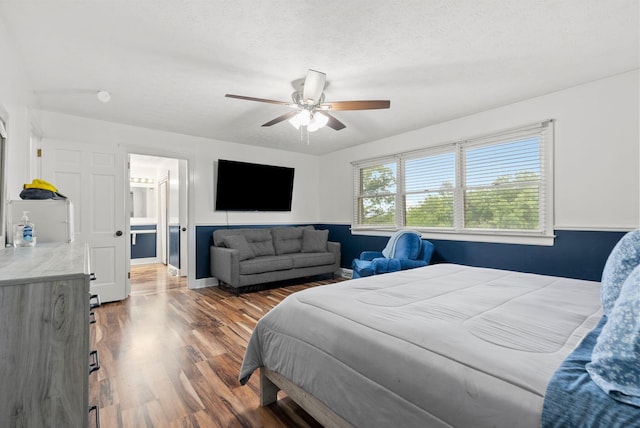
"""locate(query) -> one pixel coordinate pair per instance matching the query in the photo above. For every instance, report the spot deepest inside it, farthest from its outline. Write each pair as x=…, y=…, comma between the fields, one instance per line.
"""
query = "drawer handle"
x=95, y=409
x=92, y=276
x=95, y=364
x=94, y=301
x=92, y=317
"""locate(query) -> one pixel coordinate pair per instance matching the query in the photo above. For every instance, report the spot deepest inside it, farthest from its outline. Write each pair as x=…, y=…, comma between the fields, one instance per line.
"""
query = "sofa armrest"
x=370, y=255
x=225, y=265
x=334, y=247
x=384, y=265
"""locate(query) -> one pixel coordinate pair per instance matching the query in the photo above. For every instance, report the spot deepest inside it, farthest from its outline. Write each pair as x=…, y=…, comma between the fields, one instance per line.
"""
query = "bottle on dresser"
x=24, y=233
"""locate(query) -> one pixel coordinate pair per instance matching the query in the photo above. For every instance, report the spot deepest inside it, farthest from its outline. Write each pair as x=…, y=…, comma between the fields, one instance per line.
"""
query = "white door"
x=162, y=224
x=184, y=217
x=92, y=177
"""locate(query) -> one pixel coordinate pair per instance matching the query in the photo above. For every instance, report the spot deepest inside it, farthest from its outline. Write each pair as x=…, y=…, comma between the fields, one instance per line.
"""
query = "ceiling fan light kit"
x=318, y=121
x=312, y=110
x=312, y=121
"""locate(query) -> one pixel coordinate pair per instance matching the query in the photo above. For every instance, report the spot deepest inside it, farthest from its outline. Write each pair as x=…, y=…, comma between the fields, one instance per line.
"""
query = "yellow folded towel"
x=40, y=184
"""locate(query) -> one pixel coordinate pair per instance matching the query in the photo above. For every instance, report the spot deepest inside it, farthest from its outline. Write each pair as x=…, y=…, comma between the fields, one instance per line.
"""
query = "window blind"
x=375, y=187
x=429, y=186
x=503, y=185
x=498, y=184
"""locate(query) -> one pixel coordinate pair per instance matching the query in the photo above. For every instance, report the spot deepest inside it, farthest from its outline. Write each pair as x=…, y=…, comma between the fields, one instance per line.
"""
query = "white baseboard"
x=205, y=282
x=145, y=261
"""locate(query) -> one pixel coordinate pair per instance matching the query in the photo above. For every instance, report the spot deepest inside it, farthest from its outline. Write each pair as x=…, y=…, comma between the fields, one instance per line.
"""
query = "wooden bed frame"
x=272, y=382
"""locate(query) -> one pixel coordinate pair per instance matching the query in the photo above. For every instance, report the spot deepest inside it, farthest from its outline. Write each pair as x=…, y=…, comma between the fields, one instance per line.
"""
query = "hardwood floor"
x=153, y=278
x=170, y=357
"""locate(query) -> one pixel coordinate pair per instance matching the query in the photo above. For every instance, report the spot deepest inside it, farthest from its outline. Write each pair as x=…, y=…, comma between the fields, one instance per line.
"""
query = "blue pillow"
x=624, y=257
x=615, y=360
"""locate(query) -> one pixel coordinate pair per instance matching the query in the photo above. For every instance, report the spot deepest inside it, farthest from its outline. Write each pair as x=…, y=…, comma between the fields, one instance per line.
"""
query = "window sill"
x=519, y=239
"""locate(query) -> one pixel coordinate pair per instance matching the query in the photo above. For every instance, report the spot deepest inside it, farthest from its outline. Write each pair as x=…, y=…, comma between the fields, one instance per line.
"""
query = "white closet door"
x=92, y=177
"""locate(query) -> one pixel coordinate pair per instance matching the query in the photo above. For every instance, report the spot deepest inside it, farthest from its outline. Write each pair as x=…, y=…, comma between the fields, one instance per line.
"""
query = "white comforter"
x=443, y=345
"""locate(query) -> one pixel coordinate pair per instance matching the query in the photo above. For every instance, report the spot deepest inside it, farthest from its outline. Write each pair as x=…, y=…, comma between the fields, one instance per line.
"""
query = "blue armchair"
x=405, y=250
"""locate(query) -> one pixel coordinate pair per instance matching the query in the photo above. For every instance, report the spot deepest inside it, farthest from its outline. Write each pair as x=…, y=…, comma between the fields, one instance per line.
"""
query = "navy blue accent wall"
x=174, y=246
x=145, y=242
x=204, y=240
x=575, y=254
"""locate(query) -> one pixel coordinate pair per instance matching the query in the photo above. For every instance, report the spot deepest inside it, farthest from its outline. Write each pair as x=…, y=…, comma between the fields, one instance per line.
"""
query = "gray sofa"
x=242, y=258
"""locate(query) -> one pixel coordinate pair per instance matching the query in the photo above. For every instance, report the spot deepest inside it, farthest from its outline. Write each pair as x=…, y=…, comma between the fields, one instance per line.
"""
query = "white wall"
x=305, y=188
x=597, y=157
x=201, y=154
x=15, y=97
x=596, y=152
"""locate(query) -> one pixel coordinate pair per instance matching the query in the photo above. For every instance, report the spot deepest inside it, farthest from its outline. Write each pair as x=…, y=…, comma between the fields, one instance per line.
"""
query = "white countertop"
x=43, y=260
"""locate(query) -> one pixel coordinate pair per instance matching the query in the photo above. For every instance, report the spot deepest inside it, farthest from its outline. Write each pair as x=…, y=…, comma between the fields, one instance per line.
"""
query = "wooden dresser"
x=44, y=336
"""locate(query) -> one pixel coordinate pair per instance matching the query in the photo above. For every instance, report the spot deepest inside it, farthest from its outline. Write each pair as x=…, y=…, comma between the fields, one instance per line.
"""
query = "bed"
x=440, y=346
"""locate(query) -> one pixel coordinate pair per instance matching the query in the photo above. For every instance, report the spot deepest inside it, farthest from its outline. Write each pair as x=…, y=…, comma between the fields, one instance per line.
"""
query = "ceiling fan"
x=310, y=111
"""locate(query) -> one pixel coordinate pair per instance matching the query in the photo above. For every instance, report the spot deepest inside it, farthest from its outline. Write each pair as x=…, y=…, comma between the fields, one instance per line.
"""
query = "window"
x=376, y=200
x=430, y=185
x=493, y=185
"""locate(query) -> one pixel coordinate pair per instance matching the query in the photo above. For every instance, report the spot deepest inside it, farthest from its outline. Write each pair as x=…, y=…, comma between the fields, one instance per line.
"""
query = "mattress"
x=443, y=345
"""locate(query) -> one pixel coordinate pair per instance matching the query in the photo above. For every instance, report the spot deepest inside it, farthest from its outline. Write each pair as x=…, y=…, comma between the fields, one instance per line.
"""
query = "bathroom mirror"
x=143, y=202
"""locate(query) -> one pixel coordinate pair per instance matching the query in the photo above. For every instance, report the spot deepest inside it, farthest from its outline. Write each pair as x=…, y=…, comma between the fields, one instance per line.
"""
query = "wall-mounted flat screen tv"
x=243, y=186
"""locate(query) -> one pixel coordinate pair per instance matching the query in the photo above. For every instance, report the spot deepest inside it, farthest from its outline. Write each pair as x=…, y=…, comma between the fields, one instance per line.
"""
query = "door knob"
x=184, y=229
x=118, y=233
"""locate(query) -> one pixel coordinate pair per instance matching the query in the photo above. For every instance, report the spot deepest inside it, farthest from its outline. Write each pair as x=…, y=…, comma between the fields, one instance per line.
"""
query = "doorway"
x=158, y=200
x=154, y=278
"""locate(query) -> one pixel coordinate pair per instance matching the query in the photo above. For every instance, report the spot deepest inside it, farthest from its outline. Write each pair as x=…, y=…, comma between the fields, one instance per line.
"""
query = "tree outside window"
x=377, y=200
x=495, y=184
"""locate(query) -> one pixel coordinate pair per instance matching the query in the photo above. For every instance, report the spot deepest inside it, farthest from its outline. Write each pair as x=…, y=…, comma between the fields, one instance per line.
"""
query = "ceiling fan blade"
x=281, y=118
x=313, y=86
x=334, y=123
x=262, y=100
x=357, y=105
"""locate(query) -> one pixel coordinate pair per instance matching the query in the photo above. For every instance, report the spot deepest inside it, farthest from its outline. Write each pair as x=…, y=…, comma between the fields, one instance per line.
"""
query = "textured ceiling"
x=169, y=63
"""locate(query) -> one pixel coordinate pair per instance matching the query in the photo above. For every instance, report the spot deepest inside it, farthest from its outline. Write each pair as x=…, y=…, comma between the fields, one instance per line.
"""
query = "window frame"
x=542, y=236
x=3, y=172
x=357, y=182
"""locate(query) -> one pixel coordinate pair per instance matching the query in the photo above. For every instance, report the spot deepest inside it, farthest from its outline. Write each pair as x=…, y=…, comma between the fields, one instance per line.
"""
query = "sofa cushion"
x=287, y=240
x=303, y=260
x=259, y=239
x=314, y=241
x=263, y=247
x=239, y=243
x=265, y=264
x=384, y=265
